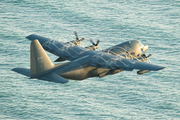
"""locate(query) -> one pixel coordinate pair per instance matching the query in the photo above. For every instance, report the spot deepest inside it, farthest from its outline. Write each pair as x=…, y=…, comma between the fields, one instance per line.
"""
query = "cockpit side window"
x=140, y=44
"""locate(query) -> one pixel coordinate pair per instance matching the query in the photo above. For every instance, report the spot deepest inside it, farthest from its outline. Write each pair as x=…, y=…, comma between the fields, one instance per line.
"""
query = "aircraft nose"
x=145, y=48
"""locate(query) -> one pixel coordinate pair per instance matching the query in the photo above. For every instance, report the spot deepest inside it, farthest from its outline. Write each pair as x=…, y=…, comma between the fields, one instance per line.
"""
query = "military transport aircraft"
x=85, y=62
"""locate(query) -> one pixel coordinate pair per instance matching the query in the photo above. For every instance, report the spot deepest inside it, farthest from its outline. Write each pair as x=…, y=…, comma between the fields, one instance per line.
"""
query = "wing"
x=65, y=51
x=104, y=60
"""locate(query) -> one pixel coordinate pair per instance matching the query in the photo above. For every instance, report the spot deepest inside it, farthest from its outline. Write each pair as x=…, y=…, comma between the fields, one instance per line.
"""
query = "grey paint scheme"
x=83, y=63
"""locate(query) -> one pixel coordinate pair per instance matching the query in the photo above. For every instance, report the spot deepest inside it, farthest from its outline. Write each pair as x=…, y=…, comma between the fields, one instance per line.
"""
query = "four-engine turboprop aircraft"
x=84, y=62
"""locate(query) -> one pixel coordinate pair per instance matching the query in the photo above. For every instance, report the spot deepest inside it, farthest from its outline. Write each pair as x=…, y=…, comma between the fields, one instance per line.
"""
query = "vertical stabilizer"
x=40, y=62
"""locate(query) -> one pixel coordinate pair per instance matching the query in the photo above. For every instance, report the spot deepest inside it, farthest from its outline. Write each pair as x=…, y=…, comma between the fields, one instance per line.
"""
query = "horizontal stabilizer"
x=23, y=71
x=53, y=77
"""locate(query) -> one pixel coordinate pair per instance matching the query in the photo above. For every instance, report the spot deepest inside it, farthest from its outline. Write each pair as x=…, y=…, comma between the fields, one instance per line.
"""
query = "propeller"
x=94, y=43
x=77, y=38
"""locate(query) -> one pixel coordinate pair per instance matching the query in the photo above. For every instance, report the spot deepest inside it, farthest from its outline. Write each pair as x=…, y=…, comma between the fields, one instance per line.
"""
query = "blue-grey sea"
x=123, y=96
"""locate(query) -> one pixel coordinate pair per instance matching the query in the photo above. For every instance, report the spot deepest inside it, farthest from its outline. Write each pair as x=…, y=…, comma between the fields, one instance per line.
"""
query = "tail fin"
x=40, y=62
x=41, y=66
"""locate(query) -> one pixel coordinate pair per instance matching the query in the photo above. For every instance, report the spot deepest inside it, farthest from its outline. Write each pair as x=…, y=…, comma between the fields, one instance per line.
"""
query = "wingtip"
x=161, y=68
x=31, y=37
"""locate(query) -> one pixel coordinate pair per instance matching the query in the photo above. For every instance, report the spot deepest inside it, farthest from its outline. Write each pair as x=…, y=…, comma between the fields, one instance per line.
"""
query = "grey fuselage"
x=77, y=71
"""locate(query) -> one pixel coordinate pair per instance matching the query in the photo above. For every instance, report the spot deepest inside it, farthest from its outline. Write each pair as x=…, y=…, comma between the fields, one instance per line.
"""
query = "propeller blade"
x=97, y=42
x=76, y=35
x=92, y=42
x=77, y=38
x=82, y=39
